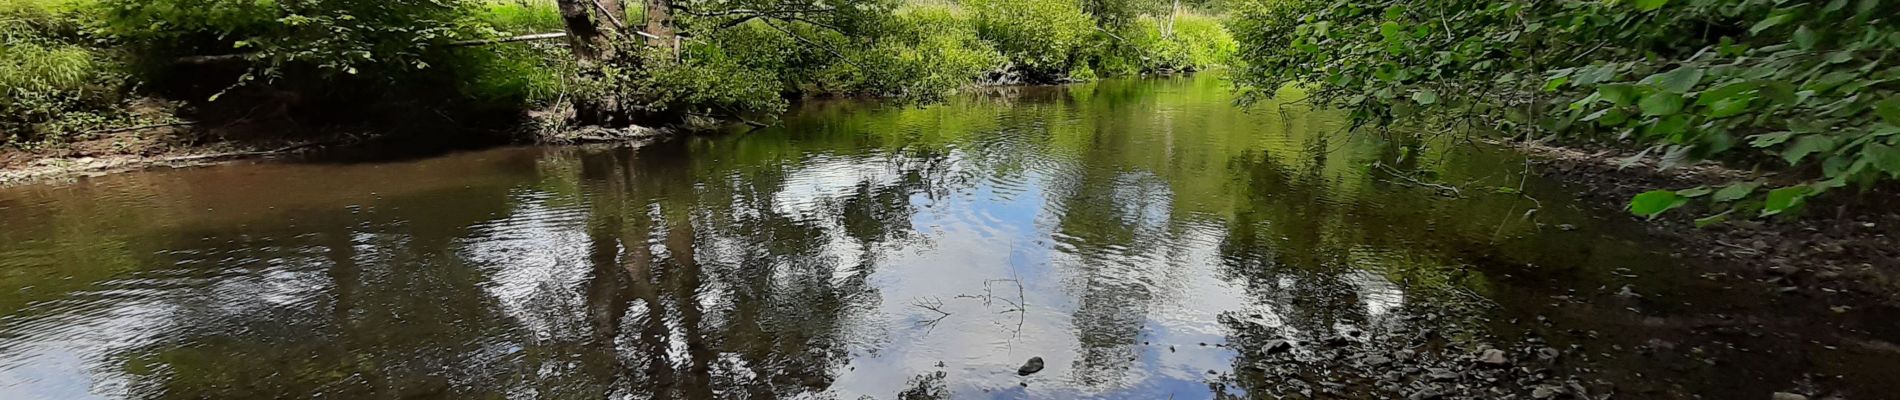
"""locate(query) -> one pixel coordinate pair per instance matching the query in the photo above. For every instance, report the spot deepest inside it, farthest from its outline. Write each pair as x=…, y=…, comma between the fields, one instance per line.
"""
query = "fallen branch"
x=522, y=38
x=610, y=15
x=138, y=128
x=237, y=154
x=224, y=58
x=1453, y=190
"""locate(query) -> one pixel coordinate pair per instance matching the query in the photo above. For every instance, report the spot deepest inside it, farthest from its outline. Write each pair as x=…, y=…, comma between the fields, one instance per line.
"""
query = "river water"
x=1144, y=238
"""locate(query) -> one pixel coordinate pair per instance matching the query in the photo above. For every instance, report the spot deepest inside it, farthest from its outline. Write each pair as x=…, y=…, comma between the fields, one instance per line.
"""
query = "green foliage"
x=520, y=16
x=1151, y=45
x=337, y=36
x=1804, y=82
x=1655, y=202
x=53, y=83
x=368, y=55
x=930, y=51
x=1039, y=37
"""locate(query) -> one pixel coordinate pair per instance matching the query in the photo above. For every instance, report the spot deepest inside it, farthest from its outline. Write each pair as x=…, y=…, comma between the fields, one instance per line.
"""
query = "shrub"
x=930, y=51
x=1039, y=37
x=1802, y=86
x=52, y=83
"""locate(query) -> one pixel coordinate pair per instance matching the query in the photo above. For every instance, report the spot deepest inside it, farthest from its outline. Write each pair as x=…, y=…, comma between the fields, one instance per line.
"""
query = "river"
x=1145, y=238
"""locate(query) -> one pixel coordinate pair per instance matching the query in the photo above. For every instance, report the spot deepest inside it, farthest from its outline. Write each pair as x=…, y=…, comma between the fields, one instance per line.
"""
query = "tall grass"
x=521, y=16
x=53, y=81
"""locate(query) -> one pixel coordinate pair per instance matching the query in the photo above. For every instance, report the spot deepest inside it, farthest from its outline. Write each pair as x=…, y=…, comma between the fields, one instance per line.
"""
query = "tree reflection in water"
x=1143, y=237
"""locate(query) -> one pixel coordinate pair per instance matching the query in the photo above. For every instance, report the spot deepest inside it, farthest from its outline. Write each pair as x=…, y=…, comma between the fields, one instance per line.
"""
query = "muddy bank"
x=168, y=147
x=1840, y=249
x=142, y=149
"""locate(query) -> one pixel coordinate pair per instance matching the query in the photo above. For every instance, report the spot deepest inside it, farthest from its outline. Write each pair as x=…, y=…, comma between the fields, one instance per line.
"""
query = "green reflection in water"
x=1111, y=228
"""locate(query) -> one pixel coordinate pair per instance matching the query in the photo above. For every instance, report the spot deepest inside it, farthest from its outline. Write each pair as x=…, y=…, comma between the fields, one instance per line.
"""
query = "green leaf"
x=1678, y=80
x=1779, y=92
x=1784, y=199
x=1649, y=5
x=1807, y=144
x=1729, y=107
x=1769, y=139
x=1735, y=192
x=1655, y=202
x=1884, y=157
x=1770, y=22
x=1392, y=32
x=1661, y=103
x=1724, y=92
x=1613, y=117
x=1672, y=127
x=1621, y=94
x=1888, y=110
x=1425, y=97
x=1395, y=12
x=1555, y=84
x=1805, y=37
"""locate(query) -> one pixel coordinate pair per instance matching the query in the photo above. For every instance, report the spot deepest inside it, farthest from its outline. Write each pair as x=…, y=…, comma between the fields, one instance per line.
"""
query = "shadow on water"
x=1144, y=237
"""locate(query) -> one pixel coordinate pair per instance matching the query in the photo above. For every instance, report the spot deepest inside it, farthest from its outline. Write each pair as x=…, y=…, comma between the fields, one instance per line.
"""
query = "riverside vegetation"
x=73, y=68
x=1803, y=89
x=1800, y=92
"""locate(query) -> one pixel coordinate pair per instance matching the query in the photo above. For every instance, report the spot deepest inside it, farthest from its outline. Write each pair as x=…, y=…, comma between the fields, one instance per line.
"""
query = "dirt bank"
x=1841, y=248
x=140, y=149
x=165, y=147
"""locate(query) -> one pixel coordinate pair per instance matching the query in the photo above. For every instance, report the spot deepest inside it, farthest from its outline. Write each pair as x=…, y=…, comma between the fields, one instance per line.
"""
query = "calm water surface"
x=1123, y=231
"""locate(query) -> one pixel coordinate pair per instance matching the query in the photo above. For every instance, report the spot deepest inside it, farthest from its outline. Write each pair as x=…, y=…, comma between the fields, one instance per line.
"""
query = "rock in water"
x=1494, y=357
x=1033, y=366
x=1788, y=396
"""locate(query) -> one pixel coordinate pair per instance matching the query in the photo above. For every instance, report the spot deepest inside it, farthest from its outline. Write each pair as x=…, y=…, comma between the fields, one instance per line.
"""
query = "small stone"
x=1548, y=353
x=1543, y=392
x=1279, y=346
x=1494, y=357
x=1788, y=396
x=1033, y=366
x=1378, y=360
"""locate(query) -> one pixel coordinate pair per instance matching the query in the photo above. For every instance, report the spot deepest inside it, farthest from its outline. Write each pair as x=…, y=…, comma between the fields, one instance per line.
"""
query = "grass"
x=519, y=16
x=54, y=82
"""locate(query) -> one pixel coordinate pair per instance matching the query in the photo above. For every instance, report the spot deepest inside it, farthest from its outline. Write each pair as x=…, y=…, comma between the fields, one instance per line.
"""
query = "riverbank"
x=1840, y=249
x=1187, y=258
x=160, y=147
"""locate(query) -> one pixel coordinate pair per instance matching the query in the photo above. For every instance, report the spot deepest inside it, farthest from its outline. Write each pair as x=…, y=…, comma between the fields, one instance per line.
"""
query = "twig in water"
x=1409, y=179
x=932, y=304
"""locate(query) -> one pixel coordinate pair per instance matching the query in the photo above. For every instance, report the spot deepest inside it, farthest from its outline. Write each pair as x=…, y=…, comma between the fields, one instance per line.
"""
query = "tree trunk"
x=613, y=12
x=1172, y=12
x=589, y=42
x=659, y=28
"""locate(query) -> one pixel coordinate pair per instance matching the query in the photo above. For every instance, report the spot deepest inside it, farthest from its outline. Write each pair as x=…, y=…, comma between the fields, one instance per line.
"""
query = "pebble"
x=1033, y=366
x=1788, y=396
x=1494, y=357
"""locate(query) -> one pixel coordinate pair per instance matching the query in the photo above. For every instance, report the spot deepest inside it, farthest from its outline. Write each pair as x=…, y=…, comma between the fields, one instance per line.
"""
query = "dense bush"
x=1054, y=40
x=1802, y=86
x=65, y=72
x=53, y=81
x=1038, y=37
x=930, y=51
x=1193, y=42
x=352, y=37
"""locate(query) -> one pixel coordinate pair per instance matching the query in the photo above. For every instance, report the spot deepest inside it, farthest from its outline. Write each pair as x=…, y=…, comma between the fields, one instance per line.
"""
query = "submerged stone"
x=1033, y=366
